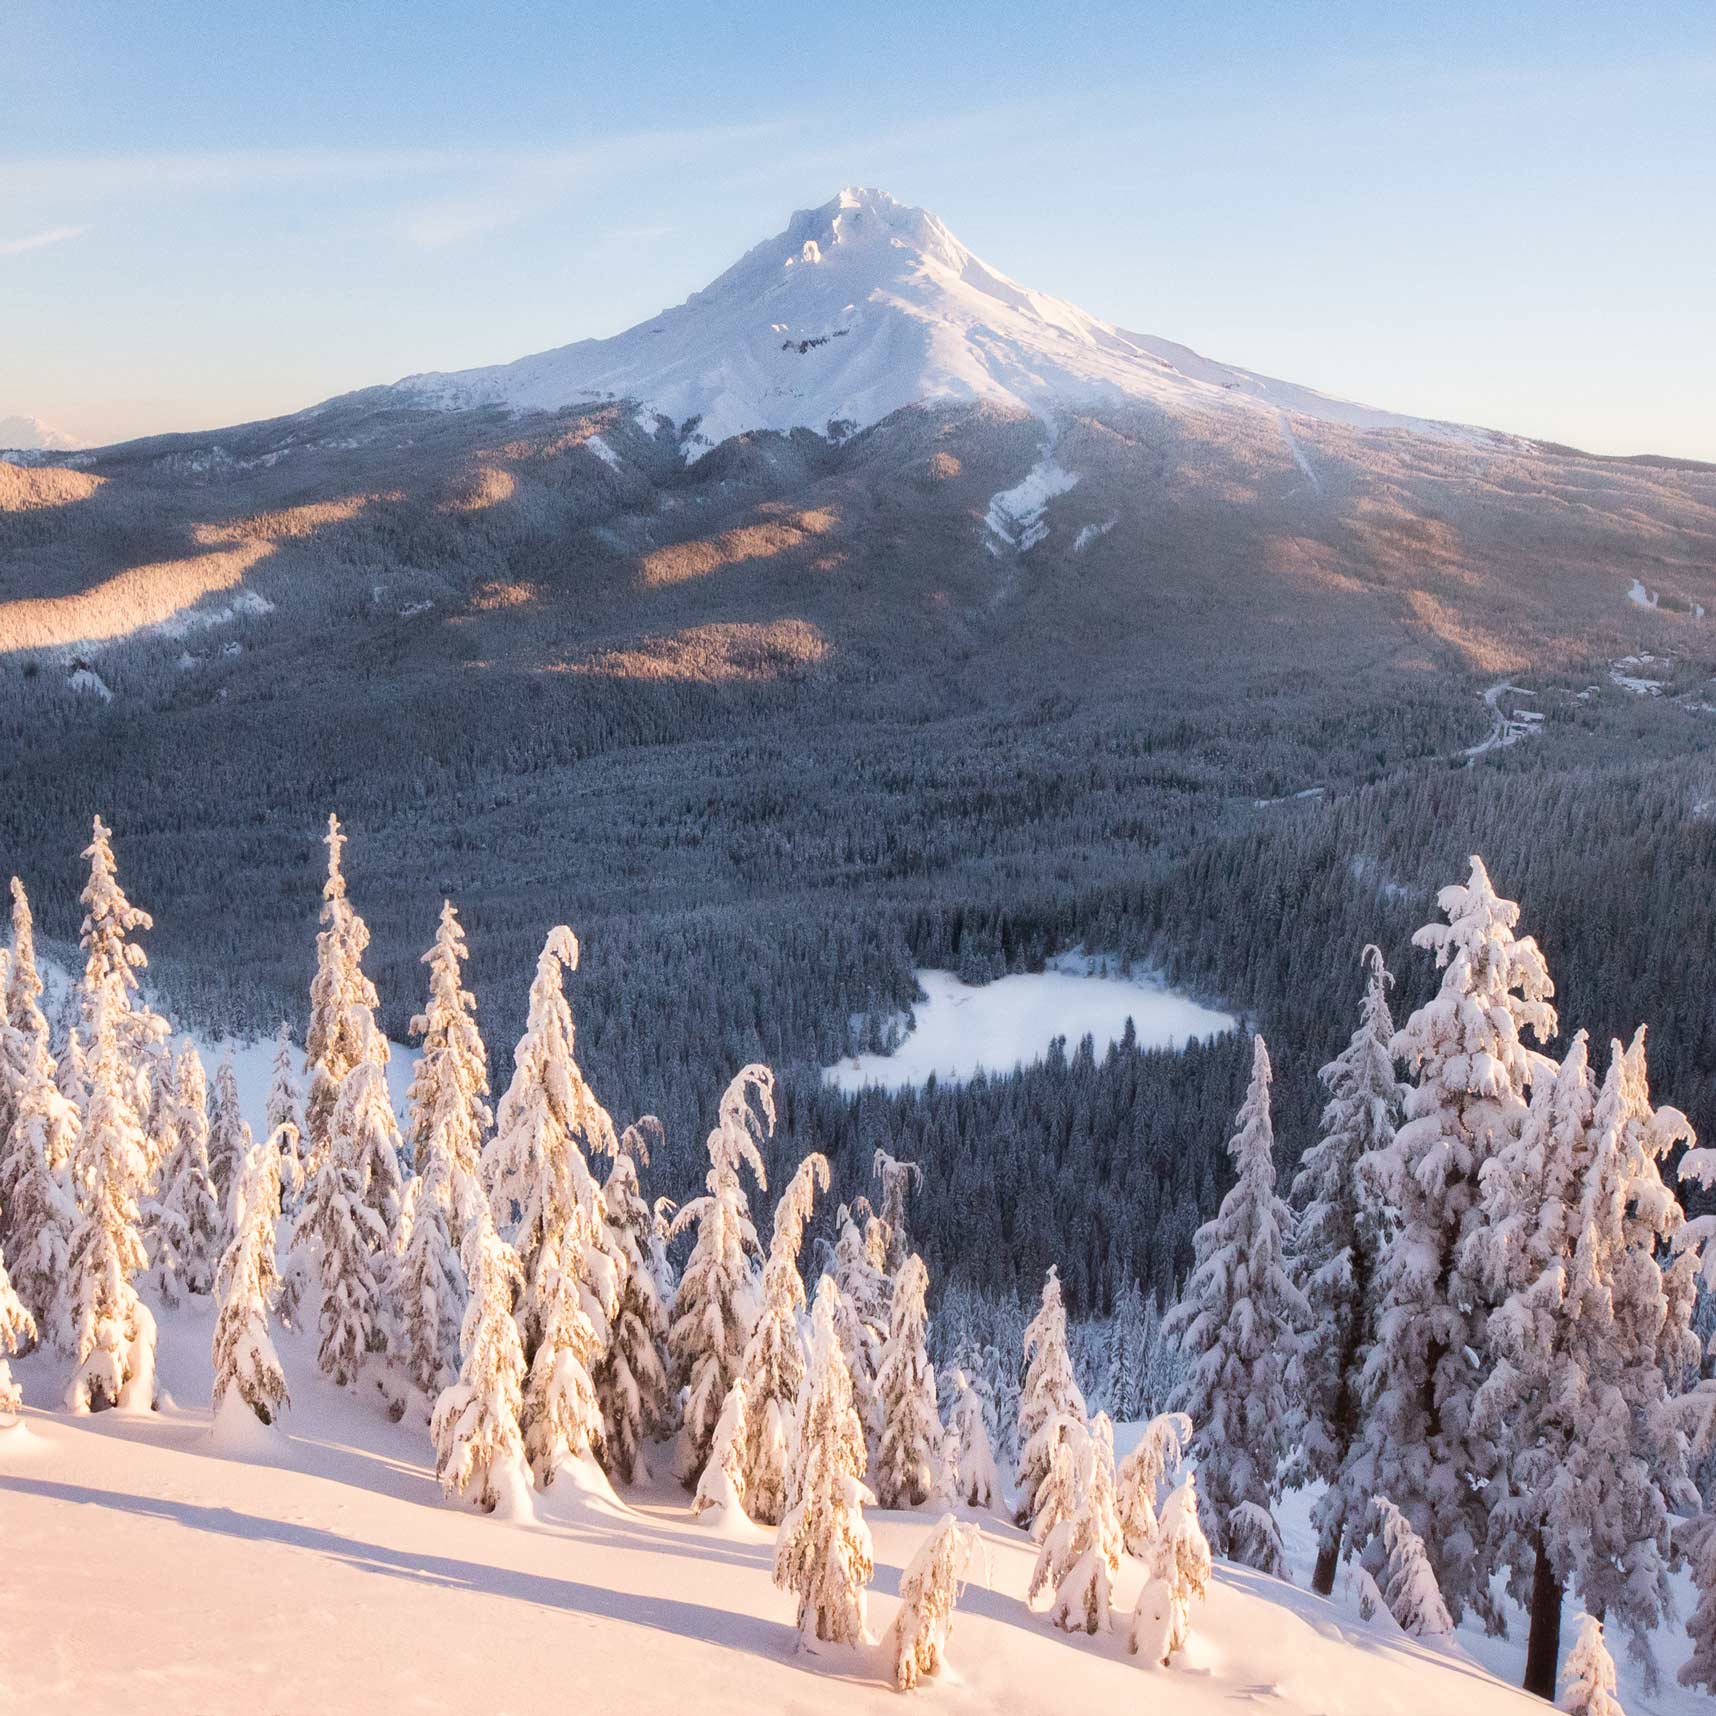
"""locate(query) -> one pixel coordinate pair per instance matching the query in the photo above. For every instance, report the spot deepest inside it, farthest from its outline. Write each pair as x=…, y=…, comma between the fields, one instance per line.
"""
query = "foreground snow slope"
x=150, y=1570
x=859, y=308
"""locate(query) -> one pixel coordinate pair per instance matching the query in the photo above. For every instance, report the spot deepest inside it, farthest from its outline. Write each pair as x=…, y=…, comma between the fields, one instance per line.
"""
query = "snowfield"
x=963, y=1029
x=318, y=1569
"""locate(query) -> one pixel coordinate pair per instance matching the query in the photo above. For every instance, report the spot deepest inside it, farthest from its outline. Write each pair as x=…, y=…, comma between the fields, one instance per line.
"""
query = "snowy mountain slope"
x=320, y=1570
x=859, y=308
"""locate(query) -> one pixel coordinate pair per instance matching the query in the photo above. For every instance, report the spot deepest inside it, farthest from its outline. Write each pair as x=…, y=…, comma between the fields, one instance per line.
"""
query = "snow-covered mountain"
x=32, y=435
x=861, y=307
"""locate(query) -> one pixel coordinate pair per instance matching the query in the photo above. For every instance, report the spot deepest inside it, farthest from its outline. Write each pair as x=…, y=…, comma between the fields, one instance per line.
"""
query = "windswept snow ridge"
x=862, y=307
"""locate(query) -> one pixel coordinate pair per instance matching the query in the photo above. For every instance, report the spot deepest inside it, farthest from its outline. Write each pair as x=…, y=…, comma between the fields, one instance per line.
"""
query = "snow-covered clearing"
x=1629, y=674
x=1089, y=533
x=1017, y=516
x=1505, y=728
x=1297, y=451
x=963, y=1029
x=1639, y=596
x=320, y=1570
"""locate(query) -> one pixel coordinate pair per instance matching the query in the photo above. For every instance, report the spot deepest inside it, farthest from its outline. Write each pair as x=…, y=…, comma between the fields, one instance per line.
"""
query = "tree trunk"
x=1328, y=1559
x=1543, y=1647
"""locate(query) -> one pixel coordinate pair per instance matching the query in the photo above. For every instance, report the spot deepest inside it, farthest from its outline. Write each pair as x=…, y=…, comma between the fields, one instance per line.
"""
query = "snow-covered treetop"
x=793, y=1211
x=112, y=961
x=746, y=1119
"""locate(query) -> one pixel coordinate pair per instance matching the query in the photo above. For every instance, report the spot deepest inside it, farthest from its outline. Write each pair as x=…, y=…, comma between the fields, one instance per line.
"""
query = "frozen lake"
x=993, y=1027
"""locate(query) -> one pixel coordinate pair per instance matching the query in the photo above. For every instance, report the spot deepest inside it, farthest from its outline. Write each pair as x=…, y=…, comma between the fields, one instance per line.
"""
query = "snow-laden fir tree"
x=364, y=1133
x=428, y=1295
x=113, y=1331
x=896, y=1179
x=863, y=1313
x=17, y=1333
x=908, y=1455
x=342, y=1033
x=183, y=1227
x=1590, y=1337
x=968, y=1455
x=247, y=1373
x=562, y=1418
x=631, y=1376
x=1050, y=1394
x=1081, y=1553
x=717, y=1299
x=1179, y=1575
x=1408, y=1581
x=1338, y=1238
x=1237, y=1322
x=283, y=1109
x=1123, y=1381
x=1153, y=1460
x=1588, y=1680
x=479, y=1448
x=343, y=1238
x=1471, y=1071
x=24, y=1045
x=1058, y=1494
x=929, y=1591
x=823, y=1552
x=448, y=1114
x=229, y=1139
x=537, y=1165
x=721, y=1486
x=1698, y=1540
x=773, y=1360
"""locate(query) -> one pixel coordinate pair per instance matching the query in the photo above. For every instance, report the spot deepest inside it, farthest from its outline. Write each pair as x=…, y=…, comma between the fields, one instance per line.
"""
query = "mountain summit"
x=858, y=308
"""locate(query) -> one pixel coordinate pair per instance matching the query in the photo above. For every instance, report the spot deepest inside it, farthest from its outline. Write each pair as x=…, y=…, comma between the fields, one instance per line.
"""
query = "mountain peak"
x=858, y=308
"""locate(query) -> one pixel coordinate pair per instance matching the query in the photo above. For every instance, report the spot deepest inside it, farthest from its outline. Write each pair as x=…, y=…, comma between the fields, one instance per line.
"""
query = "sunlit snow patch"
x=1016, y=515
x=1640, y=597
x=962, y=1029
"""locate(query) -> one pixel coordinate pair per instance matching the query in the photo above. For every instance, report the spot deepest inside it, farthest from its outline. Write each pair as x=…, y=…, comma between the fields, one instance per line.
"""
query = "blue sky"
x=1496, y=212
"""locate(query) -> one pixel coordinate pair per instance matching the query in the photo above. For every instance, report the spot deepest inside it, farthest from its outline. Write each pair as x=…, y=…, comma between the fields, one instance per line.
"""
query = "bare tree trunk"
x=1328, y=1559
x=1543, y=1647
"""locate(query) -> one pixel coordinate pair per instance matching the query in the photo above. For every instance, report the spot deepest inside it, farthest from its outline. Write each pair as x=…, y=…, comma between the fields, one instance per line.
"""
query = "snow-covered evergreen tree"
x=631, y=1377
x=537, y=1167
x=773, y=1360
x=448, y=1116
x=113, y=1331
x=364, y=1133
x=428, y=1295
x=1588, y=1680
x=721, y=1487
x=1408, y=1582
x=341, y=998
x=863, y=1315
x=1179, y=1575
x=24, y=1046
x=183, y=1225
x=281, y=1109
x=968, y=1453
x=479, y=1449
x=1337, y=1243
x=896, y=1178
x=1153, y=1460
x=562, y=1419
x=908, y=1456
x=1237, y=1322
x=109, y=998
x=1471, y=1072
x=17, y=1332
x=1699, y=1542
x=229, y=1139
x=1590, y=1336
x=1050, y=1394
x=1081, y=1552
x=823, y=1552
x=344, y=1237
x=41, y=1210
x=717, y=1300
x=1123, y=1380
x=247, y=1373
x=929, y=1591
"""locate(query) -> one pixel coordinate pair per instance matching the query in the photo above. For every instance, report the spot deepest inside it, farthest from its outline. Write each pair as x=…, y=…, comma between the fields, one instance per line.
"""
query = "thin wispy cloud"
x=40, y=240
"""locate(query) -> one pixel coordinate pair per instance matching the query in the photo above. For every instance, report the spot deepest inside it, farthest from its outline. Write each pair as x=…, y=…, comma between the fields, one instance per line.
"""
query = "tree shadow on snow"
x=698, y=1621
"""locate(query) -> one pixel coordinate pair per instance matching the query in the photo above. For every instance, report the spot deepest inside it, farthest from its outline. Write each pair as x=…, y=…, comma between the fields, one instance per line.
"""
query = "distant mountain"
x=32, y=435
x=861, y=307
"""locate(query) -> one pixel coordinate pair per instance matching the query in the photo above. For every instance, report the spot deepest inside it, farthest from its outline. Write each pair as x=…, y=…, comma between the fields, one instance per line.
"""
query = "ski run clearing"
x=156, y=1568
